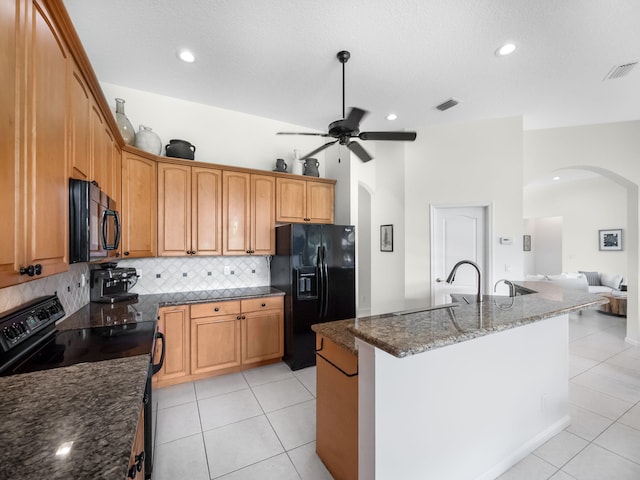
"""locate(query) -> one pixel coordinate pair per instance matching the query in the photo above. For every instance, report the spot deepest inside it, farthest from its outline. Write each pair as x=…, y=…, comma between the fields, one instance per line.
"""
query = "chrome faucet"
x=452, y=276
x=512, y=287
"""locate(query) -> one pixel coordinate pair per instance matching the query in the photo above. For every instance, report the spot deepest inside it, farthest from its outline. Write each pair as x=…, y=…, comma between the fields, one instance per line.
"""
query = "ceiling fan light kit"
x=348, y=127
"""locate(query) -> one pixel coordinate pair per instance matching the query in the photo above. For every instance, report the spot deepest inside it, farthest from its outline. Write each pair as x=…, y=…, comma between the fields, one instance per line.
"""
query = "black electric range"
x=29, y=342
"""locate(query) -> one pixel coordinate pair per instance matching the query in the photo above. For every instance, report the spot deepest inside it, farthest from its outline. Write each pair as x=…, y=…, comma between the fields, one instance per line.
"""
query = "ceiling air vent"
x=452, y=102
x=620, y=71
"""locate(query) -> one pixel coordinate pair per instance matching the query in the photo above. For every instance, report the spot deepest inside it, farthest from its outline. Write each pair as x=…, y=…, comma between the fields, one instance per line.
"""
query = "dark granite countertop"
x=94, y=405
x=408, y=333
x=145, y=307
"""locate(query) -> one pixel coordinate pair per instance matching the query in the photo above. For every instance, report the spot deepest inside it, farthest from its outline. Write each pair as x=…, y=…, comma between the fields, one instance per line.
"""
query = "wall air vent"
x=620, y=71
x=452, y=102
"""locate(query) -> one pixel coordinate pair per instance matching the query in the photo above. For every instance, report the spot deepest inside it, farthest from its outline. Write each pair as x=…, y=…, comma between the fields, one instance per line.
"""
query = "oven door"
x=149, y=406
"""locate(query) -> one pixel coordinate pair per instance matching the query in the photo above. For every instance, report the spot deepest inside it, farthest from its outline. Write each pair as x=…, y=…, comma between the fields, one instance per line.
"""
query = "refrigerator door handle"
x=325, y=279
x=320, y=284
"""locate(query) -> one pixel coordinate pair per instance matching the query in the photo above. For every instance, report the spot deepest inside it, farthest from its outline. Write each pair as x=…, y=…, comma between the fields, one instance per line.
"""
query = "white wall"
x=477, y=163
x=585, y=206
x=545, y=257
x=220, y=136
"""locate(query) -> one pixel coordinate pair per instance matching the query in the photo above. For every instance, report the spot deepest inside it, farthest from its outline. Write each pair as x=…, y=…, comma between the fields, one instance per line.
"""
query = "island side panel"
x=468, y=410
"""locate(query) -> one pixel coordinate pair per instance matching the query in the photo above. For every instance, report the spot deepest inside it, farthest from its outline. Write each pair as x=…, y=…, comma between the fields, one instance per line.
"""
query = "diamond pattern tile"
x=202, y=273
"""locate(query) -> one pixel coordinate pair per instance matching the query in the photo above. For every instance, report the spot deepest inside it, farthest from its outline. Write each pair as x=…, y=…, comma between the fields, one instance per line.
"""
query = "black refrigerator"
x=315, y=266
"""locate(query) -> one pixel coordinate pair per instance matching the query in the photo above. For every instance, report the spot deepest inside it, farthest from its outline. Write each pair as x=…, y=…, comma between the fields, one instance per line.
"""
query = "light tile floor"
x=260, y=424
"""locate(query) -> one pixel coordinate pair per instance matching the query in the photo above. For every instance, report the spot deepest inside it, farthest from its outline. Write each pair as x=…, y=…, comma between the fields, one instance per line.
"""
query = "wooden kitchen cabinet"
x=215, y=336
x=139, y=211
x=34, y=145
x=79, y=126
x=175, y=324
x=189, y=210
x=136, y=460
x=304, y=201
x=248, y=218
x=337, y=409
x=262, y=329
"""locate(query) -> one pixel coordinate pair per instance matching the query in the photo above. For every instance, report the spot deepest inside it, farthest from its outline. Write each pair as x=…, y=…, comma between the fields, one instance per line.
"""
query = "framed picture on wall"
x=386, y=238
x=610, y=239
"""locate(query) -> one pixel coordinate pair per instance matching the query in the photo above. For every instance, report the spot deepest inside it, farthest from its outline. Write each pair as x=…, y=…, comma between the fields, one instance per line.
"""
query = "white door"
x=457, y=233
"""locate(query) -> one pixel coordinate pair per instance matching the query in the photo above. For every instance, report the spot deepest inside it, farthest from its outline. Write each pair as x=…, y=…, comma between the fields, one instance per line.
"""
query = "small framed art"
x=386, y=238
x=610, y=239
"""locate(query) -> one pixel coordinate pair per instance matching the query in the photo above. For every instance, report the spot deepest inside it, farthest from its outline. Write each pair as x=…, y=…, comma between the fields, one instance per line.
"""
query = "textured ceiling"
x=276, y=58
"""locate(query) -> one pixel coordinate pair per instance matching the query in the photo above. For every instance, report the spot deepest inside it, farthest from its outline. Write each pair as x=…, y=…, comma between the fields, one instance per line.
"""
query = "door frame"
x=486, y=268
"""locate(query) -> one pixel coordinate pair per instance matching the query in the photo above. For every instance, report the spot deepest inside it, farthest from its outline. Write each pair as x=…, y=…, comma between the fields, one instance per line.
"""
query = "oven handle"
x=155, y=368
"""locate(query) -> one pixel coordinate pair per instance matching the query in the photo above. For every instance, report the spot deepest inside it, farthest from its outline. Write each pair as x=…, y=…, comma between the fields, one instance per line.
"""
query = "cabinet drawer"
x=215, y=308
x=262, y=303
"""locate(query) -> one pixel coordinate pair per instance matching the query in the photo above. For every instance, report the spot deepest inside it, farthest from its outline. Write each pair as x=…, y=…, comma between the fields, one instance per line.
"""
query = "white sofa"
x=592, y=282
x=603, y=282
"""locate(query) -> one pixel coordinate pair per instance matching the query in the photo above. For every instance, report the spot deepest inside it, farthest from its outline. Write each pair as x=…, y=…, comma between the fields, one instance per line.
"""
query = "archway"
x=631, y=244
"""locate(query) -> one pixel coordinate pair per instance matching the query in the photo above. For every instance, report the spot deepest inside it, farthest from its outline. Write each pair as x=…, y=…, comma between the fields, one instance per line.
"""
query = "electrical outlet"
x=227, y=270
x=83, y=280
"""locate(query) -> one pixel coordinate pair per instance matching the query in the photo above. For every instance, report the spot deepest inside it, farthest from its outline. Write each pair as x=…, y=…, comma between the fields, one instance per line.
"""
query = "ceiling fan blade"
x=301, y=133
x=401, y=136
x=352, y=122
x=362, y=154
x=326, y=145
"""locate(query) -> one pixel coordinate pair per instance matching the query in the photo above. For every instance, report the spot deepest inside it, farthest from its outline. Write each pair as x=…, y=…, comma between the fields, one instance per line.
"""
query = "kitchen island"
x=464, y=391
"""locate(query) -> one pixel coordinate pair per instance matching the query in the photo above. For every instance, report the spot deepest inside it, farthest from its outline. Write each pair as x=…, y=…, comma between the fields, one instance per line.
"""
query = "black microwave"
x=94, y=223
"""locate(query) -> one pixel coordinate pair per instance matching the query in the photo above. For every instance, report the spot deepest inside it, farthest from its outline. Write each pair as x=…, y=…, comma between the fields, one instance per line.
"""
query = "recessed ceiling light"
x=505, y=49
x=556, y=178
x=392, y=116
x=186, y=56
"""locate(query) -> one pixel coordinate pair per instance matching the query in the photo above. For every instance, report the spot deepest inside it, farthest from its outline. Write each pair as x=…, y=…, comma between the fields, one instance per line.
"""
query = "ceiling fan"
x=349, y=127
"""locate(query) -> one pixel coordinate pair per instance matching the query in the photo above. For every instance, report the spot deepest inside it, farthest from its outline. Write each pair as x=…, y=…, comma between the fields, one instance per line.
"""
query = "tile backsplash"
x=72, y=289
x=183, y=274
x=157, y=275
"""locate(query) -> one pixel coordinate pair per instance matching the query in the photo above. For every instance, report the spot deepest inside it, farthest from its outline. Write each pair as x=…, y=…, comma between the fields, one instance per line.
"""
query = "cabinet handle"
x=126, y=254
x=216, y=309
x=238, y=317
x=243, y=317
x=29, y=270
x=263, y=305
x=140, y=461
x=132, y=472
x=38, y=269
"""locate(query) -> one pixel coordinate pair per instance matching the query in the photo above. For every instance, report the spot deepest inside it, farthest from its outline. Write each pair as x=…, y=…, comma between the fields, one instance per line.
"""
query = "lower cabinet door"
x=174, y=322
x=215, y=343
x=136, y=462
x=262, y=336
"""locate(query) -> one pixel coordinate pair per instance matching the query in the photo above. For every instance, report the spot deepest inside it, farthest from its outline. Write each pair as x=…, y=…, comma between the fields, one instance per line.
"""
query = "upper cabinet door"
x=236, y=211
x=320, y=202
x=46, y=188
x=263, y=213
x=174, y=210
x=79, y=127
x=206, y=211
x=9, y=158
x=291, y=200
x=139, y=206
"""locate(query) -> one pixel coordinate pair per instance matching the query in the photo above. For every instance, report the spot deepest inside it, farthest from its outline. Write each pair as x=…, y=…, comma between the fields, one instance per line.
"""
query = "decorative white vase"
x=148, y=140
x=296, y=164
x=124, y=125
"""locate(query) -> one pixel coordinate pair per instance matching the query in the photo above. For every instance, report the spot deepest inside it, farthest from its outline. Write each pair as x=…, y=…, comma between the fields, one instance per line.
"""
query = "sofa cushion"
x=599, y=289
x=612, y=280
x=593, y=278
